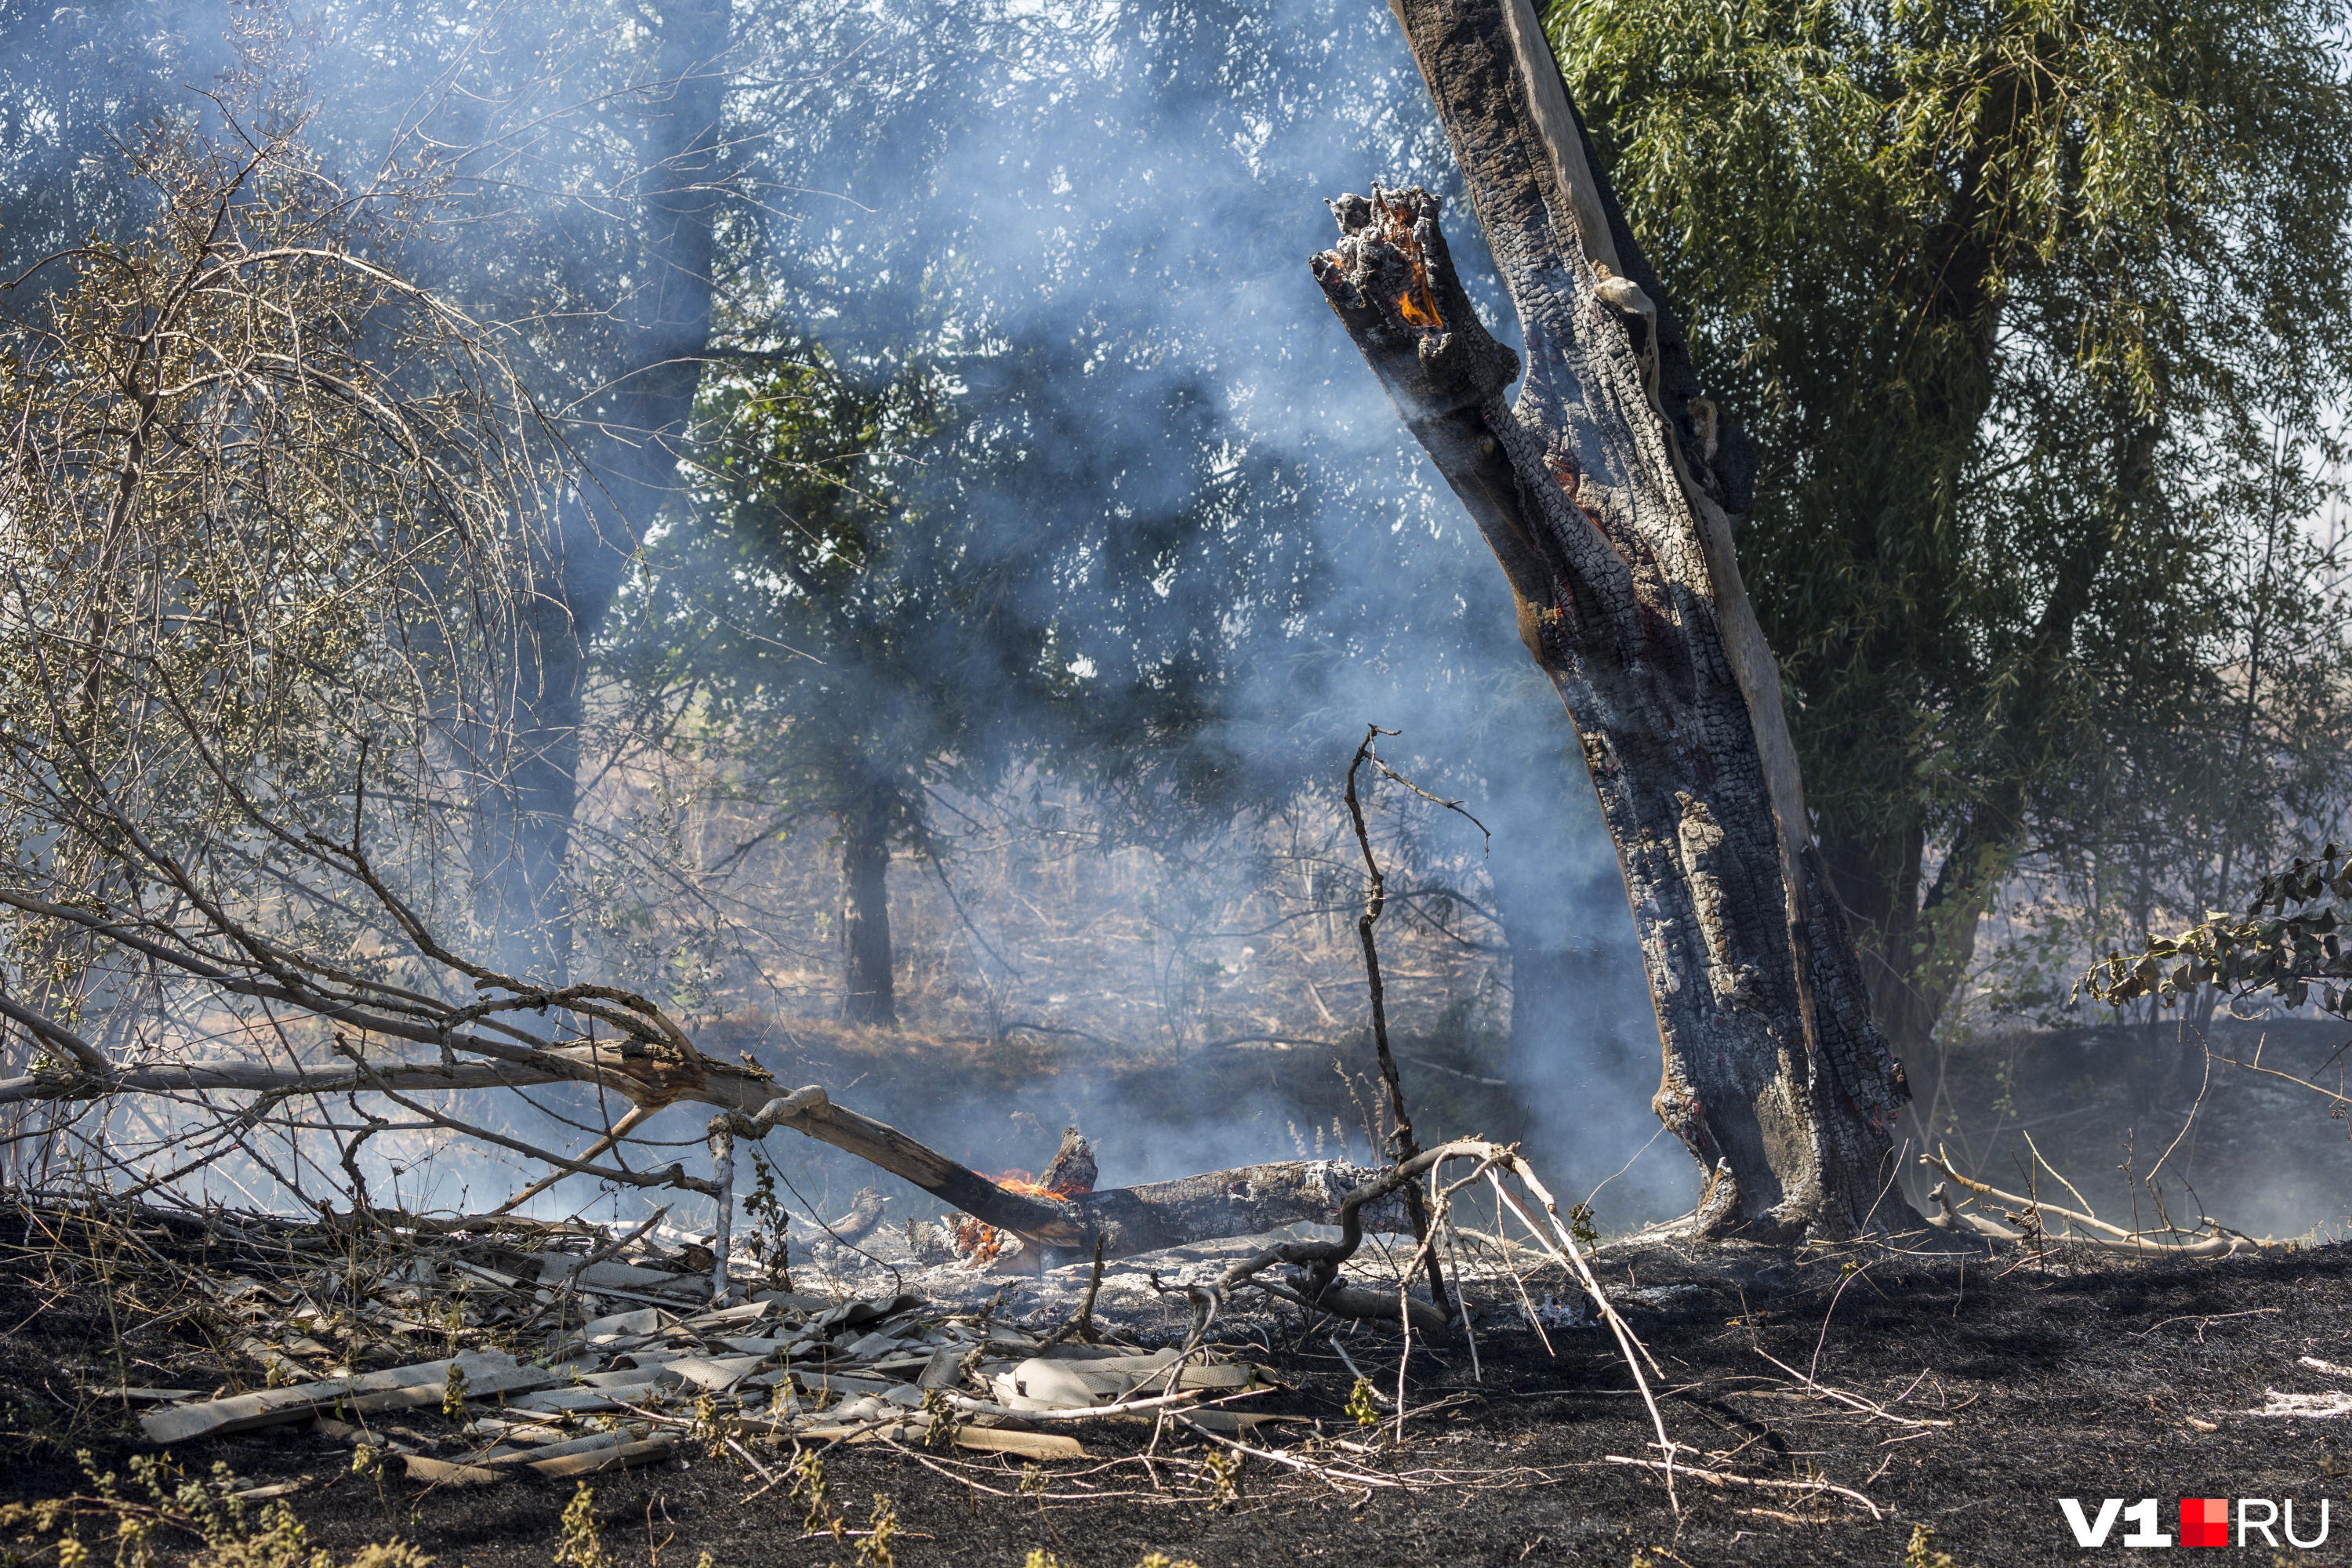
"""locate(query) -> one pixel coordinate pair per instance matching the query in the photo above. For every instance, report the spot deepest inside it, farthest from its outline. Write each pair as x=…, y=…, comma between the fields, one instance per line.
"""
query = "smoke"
x=1092, y=224
x=1129, y=230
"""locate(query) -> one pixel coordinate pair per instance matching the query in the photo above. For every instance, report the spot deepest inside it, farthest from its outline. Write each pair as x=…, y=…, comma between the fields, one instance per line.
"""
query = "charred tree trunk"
x=868, y=995
x=1602, y=492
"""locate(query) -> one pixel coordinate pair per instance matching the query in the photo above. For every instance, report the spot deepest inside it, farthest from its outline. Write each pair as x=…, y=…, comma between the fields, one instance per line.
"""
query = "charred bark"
x=1597, y=493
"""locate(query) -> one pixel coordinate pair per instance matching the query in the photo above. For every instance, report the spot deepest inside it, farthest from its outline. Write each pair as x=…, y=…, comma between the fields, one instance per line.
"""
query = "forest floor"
x=2001, y=1386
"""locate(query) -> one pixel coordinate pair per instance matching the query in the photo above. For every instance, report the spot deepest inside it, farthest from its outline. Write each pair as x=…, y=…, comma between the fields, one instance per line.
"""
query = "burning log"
x=637, y=1053
x=1072, y=1171
x=1070, y=1175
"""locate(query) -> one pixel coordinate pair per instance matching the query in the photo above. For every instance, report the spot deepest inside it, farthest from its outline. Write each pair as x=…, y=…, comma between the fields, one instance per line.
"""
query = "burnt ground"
x=2058, y=1375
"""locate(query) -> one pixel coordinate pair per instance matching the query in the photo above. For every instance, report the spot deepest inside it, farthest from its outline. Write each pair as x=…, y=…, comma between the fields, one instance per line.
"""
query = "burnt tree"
x=1605, y=490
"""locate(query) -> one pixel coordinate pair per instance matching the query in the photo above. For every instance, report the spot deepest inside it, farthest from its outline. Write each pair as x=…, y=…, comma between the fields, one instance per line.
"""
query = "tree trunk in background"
x=1597, y=493
x=630, y=438
x=868, y=994
x=1917, y=945
x=1885, y=914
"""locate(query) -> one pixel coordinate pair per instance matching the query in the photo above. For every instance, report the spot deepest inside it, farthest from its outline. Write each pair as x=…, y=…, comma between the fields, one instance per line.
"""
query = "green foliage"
x=2036, y=313
x=792, y=601
x=1920, y=1551
x=209, y=1509
x=2280, y=954
x=580, y=1539
x=767, y=1241
x=806, y=1484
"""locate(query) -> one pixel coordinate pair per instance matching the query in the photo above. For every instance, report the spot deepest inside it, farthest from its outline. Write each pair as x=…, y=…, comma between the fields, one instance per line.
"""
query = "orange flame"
x=1416, y=305
x=981, y=1244
x=1021, y=1181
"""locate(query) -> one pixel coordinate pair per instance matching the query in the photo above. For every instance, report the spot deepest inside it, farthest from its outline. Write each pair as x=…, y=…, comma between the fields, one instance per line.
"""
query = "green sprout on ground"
x=579, y=1541
x=1921, y=1553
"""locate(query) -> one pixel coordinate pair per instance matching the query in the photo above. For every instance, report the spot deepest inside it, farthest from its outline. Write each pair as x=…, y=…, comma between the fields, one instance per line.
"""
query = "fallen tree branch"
x=1321, y=1472
x=2112, y=1238
x=1721, y=1478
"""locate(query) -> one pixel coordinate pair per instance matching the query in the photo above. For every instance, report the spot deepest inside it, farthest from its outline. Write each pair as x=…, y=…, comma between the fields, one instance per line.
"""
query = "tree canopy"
x=2038, y=314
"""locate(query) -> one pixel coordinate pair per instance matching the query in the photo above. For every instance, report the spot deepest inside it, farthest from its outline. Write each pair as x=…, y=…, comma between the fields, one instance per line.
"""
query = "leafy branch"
x=2284, y=953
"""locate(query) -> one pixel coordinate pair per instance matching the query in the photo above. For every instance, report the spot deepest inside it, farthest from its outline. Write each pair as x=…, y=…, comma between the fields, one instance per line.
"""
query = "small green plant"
x=1922, y=1552
x=1582, y=1228
x=808, y=1485
x=940, y=1428
x=210, y=1509
x=1361, y=1404
x=1161, y=1560
x=712, y=1428
x=1217, y=1473
x=874, y=1552
x=453, y=1393
x=579, y=1540
x=766, y=1241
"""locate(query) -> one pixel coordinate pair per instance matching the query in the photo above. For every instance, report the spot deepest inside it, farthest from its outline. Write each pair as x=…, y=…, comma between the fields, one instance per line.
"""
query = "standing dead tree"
x=1594, y=490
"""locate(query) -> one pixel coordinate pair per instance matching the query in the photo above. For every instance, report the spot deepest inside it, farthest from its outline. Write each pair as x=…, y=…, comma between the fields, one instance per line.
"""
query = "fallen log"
x=1212, y=1205
x=643, y=1056
x=2031, y=1212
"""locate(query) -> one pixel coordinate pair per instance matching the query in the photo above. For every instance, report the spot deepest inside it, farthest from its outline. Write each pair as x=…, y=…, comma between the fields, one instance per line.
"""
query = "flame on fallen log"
x=980, y=1244
x=1417, y=307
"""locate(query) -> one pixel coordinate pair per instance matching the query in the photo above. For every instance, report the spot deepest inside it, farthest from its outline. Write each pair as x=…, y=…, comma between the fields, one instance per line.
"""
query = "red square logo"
x=2204, y=1521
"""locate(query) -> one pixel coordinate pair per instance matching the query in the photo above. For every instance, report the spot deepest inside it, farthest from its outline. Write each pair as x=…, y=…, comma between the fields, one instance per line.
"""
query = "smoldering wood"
x=1596, y=492
x=651, y=1064
x=1072, y=1169
x=864, y=1213
x=1149, y=1217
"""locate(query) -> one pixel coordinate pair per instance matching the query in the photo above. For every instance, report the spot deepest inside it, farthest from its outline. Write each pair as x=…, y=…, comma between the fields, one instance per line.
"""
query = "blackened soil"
x=2058, y=1377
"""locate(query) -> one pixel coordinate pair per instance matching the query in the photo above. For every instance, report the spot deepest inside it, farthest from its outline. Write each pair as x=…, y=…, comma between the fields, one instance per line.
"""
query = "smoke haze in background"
x=1094, y=221
x=1116, y=243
